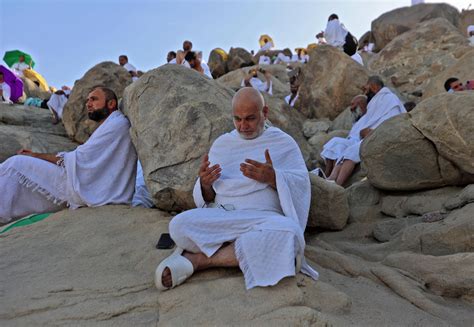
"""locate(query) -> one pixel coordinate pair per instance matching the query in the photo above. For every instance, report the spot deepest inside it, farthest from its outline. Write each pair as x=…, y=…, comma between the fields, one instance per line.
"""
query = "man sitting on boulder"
x=253, y=197
x=98, y=172
x=382, y=106
x=453, y=84
x=252, y=80
x=5, y=90
x=123, y=61
x=195, y=63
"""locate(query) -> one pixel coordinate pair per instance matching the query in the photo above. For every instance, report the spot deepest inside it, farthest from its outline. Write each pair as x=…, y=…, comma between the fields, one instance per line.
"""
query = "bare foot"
x=198, y=260
x=166, y=278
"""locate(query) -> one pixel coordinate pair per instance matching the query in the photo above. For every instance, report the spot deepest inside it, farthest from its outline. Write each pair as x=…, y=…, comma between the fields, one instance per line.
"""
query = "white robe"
x=19, y=67
x=282, y=58
x=264, y=60
x=57, y=102
x=383, y=106
x=100, y=171
x=357, y=57
x=288, y=97
x=141, y=197
x=6, y=92
x=259, y=85
x=335, y=33
x=206, y=69
x=296, y=58
x=266, y=225
x=266, y=46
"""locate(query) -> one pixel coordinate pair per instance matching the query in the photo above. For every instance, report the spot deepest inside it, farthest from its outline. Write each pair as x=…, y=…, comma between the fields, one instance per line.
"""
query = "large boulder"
x=398, y=21
x=30, y=128
x=329, y=81
x=218, y=62
x=410, y=60
x=462, y=69
x=176, y=113
x=238, y=58
x=234, y=78
x=466, y=19
x=329, y=205
x=34, y=91
x=75, y=119
x=424, y=150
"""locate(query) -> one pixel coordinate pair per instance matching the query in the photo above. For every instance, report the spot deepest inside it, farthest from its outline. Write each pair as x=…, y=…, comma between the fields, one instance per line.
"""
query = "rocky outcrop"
x=421, y=150
x=75, y=119
x=34, y=91
x=329, y=81
x=218, y=62
x=393, y=23
x=466, y=19
x=30, y=128
x=329, y=205
x=410, y=60
x=238, y=58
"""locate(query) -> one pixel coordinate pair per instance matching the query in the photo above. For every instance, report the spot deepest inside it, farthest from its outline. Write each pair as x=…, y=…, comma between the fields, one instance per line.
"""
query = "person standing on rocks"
x=253, y=195
x=337, y=35
x=101, y=171
x=383, y=105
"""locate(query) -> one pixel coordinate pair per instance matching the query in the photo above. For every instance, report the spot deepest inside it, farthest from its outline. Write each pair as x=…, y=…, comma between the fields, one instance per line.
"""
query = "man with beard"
x=101, y=171
x=196, y=63
x=252, y=197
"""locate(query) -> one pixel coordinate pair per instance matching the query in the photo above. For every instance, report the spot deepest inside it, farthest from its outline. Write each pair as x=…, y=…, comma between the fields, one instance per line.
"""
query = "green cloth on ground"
x=28, y=220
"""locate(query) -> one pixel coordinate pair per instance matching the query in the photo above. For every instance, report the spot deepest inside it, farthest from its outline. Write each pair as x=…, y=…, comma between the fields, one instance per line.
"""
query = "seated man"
x=123, y=61
x=196, y=64
x=98, y=172
x=5, y=90
x=264, y=60
x=281, y=58
x=19, y=67
x=300, y=56
x=252, y=80
x=382, y=106
x=294, y=88
x=453, y=84
x=57, y=101
x=171, y=57
x=253, y=196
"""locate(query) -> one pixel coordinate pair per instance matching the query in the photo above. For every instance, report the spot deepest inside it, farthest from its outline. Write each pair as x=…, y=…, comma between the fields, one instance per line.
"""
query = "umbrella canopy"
x=36, y=77
x=15, y=83
x=12, y=57
x=222, y=53
x=264, y=37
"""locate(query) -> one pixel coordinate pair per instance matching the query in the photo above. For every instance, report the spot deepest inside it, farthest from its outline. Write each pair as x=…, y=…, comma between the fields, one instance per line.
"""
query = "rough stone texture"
x=410, y=60
x=329, y=205
x=448, y=122
x=313, y=127
x=398, y=157
x=75, y=119
x=234, y=78
x=461, y=69
x=30, y=128
x=317, y=142
x=464, y=197
x=329, y=81
x=33, y=91
x=344, y=120
x=278, y=71
x=366, y=37
x=419, y=203
x=398, y=21
x=238, y=58
x=217, y=64
x=466, y=19
x=176, y=114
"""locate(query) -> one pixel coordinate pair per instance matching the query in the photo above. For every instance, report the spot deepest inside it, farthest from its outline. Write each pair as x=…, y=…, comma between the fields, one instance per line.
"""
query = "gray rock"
x=238, y=58
x=108, y=74
x=344, y=120
x=312, y=127
x=464, y=197
x=385, y=230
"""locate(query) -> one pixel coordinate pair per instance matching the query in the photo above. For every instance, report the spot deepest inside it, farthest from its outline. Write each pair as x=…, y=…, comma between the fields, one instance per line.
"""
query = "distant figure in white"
x=5, y=90
x=123, y=61
x=342, y=155
x=101, y=171
x=195, y=62
x=57, y=101
x=470, y=34
x=252, y=197
x=252, y=80
x=171, y=57
x=20, y=66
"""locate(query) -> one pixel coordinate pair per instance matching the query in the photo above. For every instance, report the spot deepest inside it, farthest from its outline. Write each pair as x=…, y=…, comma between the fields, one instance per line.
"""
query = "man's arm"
x=44, y=156
x=261, y=172
x=364, y=132
x=207, y=176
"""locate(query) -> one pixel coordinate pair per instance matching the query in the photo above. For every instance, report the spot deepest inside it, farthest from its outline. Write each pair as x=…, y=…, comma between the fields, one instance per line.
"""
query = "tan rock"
x=75, y=119
x=398, y=21
x=218, y=62
x=238, y=58
x=411, y=59
x=344, y=120
x=329, y=81
x=466, y=18
x=329, y=205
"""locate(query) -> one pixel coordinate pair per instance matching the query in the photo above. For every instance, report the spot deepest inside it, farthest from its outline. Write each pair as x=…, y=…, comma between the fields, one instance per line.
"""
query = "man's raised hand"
x=260, y=171
x=208, y=175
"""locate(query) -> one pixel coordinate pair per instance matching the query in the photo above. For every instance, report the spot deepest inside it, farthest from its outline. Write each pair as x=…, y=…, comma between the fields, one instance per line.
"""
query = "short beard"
x=99, y=114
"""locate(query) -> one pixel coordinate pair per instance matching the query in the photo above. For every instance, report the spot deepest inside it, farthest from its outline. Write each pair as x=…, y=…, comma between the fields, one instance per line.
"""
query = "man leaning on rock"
x=98, y=172
x=252, y=198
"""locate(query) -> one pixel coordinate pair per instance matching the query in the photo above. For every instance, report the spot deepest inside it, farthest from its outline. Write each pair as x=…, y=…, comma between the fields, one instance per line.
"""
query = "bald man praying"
x=252, y=198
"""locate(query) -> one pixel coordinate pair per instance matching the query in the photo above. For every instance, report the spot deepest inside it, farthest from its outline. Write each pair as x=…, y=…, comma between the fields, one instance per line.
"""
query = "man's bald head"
x=249, y=112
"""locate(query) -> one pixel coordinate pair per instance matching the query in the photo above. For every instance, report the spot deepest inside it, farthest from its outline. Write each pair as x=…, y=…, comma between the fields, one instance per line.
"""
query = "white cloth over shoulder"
x=141, y=198
x=129, y=67
x=259, y=85
x=357, y=57
x=288, y=97
x=384, y=105
x=57, y=102
x=264, y=60
x=19, y=67
x=266, y=46
x=206, y=70
x=6, y=92
x=267, y=225
x=102, y=170
x=335, y=33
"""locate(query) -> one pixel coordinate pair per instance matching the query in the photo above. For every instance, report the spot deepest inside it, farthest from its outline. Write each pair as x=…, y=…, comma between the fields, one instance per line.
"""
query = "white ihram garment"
x=383, y=106
x=259, y=85
x=266, y=225
x=288, y=97
x=98, y=172
x=19, y=67
x=6, y=92
x=57, y=102
x=335, y=33
x=264, y=60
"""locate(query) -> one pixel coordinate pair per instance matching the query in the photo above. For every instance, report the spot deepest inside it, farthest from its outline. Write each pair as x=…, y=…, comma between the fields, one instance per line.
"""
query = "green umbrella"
x=12, y=57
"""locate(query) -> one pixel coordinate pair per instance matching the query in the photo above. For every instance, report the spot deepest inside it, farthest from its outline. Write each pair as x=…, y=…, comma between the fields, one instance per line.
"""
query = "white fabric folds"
x=267, y=225
x=335, y=33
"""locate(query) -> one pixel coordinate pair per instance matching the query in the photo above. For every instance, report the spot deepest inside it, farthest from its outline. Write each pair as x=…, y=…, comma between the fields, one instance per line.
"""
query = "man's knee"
x=177, y=226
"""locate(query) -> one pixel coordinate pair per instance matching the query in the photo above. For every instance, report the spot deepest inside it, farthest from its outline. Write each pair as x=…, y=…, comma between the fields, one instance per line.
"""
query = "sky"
x=68, y=37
